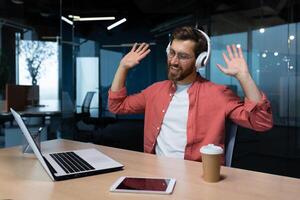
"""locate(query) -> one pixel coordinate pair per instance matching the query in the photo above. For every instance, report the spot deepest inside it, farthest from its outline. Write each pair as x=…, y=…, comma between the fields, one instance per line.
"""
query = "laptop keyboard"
x=71, y=162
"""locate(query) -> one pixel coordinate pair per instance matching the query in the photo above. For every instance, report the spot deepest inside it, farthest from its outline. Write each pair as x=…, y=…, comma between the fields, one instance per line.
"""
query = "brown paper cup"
x=211, y=162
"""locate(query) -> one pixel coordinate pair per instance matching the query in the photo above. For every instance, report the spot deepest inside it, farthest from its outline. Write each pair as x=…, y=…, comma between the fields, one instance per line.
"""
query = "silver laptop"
x=70, y=164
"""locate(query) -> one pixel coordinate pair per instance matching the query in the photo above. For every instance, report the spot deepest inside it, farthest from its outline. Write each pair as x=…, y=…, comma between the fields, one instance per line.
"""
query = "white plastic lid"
x=211, y=149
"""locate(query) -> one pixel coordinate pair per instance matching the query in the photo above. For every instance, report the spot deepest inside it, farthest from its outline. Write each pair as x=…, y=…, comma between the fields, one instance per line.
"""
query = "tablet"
x=144, y=185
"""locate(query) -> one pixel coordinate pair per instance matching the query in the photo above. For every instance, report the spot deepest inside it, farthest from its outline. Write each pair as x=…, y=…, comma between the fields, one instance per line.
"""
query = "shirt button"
x=163, y=111
x=170, y=94
x=157, y=128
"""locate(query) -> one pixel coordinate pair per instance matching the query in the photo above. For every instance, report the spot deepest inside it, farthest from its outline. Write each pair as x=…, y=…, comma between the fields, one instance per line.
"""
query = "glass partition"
x=272, y=56
x=218, y=45
x=29, y=63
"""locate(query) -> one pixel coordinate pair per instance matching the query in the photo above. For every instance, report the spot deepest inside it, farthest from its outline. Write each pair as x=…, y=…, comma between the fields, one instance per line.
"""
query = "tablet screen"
x=150, y=184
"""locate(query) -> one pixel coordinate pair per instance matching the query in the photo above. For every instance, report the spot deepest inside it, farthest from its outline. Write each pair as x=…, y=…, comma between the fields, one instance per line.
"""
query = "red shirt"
x=210, y=105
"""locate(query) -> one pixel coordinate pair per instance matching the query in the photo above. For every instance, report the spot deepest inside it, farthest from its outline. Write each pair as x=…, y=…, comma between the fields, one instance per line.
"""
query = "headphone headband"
x=205, y=61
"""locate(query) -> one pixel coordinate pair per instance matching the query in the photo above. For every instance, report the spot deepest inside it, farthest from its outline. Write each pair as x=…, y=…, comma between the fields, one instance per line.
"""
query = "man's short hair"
x=190, y=33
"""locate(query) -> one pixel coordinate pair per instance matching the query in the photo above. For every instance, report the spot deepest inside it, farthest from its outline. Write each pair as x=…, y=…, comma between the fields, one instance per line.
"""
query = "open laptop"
x=70, y=164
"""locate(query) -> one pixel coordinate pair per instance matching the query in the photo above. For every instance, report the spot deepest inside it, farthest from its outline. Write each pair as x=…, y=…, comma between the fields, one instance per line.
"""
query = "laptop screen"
x=30, y=141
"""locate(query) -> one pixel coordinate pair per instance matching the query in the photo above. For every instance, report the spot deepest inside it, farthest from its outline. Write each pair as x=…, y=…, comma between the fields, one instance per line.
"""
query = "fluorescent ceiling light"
x=92, y=18
x=19, y=2
x=50, y=37
x=125, y=45
x=74, y=16
x=116, y=24
x=67, y=20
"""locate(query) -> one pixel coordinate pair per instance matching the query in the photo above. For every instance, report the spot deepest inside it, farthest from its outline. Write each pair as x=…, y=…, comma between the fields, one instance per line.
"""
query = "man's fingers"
x=235, y=53
x=225, y=58
x=240, y=52
x=229, y=52
x=222, y=69
x=134, y=47
x=146, y=46
x=140, y=47
x=144, y=54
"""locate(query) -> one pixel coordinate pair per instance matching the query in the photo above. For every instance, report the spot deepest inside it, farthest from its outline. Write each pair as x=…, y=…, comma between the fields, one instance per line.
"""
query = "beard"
x=176, y=73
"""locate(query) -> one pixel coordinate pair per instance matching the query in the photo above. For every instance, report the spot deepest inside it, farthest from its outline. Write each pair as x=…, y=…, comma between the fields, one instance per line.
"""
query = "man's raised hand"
x=236, y=64
x=134, y=57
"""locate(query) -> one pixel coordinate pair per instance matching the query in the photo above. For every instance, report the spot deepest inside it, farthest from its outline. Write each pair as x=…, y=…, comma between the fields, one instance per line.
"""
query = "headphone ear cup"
x=168, y=48
x=200, y=60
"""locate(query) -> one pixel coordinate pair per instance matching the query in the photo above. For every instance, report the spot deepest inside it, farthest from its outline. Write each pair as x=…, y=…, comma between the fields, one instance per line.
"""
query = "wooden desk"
x=24, y=178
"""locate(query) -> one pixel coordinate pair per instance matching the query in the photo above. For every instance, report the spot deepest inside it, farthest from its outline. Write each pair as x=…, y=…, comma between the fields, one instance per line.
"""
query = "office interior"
x=60, y=66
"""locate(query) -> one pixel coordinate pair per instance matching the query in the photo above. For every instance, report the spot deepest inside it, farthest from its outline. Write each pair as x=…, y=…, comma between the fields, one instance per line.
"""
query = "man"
x=187, y=111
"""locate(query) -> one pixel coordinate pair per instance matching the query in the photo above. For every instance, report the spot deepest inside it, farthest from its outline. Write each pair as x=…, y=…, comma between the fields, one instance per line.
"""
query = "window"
x=38, y=64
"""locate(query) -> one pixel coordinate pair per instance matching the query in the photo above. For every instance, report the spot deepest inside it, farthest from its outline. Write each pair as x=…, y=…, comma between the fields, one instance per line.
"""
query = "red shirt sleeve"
x=120, y=103
x=249, y=114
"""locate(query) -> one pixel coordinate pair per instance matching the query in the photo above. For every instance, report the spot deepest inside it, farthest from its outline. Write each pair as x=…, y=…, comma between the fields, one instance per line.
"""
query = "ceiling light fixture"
x=93, y=18
x=67, y=20
x=125, y=45
x=116, y=24
x=73, y=16
x=50, y=37
x=45, y=14
x=19, y=2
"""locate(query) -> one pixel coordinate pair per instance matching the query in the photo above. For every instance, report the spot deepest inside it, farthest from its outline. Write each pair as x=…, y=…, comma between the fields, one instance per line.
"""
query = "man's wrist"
x=123, y=68
x=243, y=76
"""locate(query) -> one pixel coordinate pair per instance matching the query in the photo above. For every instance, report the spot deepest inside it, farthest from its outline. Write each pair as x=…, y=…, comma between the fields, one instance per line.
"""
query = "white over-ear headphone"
x=203, y=57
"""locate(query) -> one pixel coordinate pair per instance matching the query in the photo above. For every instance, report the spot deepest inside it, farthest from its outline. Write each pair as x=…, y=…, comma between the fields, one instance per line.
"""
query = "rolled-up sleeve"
x=249, y=114
x=120, y=103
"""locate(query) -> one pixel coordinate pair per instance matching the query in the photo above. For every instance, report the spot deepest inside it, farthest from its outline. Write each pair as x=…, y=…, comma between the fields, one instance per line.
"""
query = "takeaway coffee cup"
x=211, y=162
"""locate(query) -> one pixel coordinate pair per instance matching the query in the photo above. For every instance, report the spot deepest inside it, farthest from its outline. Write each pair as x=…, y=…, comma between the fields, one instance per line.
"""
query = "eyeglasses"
x=180, y=56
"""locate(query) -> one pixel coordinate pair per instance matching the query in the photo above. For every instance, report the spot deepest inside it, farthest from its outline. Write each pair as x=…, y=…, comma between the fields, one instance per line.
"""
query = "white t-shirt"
x=172, y=138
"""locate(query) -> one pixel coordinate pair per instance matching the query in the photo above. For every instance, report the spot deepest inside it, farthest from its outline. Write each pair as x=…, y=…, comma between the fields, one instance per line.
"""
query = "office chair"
x=85, y=108
x=85, y=116
x=231, y=130
x=70, y=123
